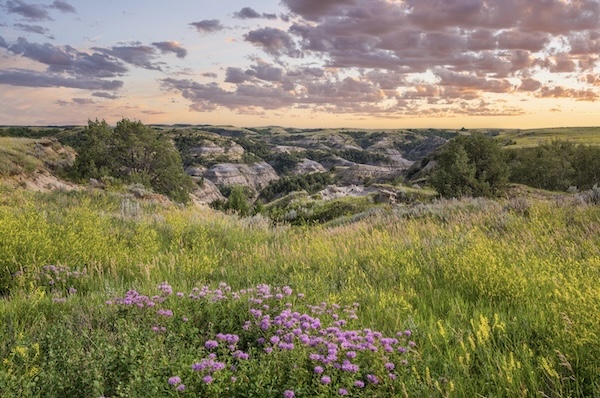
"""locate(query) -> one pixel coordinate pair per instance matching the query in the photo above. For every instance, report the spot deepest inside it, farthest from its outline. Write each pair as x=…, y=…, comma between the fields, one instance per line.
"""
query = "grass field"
x=106, y=296
x=533, y=137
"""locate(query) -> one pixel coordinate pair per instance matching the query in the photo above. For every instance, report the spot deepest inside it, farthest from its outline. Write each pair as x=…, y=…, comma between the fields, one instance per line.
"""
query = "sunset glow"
x=302, y=63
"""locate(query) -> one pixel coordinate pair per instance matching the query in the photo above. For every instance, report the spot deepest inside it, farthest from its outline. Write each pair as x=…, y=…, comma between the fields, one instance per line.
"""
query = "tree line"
x=476, y=165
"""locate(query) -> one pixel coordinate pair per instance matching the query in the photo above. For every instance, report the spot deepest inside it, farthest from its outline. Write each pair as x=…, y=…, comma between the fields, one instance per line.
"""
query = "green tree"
x=237, y=201
x=132, y=152
x=471, y=165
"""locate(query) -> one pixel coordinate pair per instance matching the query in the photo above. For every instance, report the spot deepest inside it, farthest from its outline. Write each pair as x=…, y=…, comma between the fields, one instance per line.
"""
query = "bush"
x=471, y=166
x=556, y=166
x=133, y=153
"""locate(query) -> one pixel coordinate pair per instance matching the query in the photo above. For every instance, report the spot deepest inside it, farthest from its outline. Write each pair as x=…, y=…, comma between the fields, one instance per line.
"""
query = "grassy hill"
x=533, y=137
x=106, y=296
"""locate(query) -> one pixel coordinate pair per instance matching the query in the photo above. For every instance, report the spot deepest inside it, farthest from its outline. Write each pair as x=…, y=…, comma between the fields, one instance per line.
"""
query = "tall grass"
x=502, y=300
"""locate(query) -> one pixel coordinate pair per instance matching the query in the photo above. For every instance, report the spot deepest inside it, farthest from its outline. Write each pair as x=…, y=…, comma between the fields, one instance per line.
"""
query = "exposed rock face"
x=307, y=166
x=358, y=173
x=397, y=160
x=255, y=176
x=42, y=181
x=195, y=171
x=209, y=149
x=336, y=161
x=334, y=191
x=206, y=194
x=426, y=146
x=287, y=149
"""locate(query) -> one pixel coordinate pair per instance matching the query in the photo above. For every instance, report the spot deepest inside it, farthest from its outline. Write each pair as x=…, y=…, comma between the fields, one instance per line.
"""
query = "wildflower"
x=289, y=394
x=392, y=376
x=175, y=380
x=318, y=370
x=241, y=355
x=343, y=391
x=180, y=387
x=210, y=344
x=164, y=312
x=207, y=379
x=372, y=379
x=233, y=379
x=359, y=383
x=325, y=379
x=389, y=366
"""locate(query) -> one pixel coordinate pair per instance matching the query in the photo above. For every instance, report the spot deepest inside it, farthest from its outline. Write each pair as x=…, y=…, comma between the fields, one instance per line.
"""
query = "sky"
x=302, y=63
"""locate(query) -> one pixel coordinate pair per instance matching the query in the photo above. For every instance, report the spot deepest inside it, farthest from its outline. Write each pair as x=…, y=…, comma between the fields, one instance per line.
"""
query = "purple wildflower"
x=325, y=379
x=210, y=344
x=343, y=391
x=175, y=380
x=372, y=379
x=318, y=370
x=207, y=379
x=359, y=383
x=180, y=387
x=289, y=394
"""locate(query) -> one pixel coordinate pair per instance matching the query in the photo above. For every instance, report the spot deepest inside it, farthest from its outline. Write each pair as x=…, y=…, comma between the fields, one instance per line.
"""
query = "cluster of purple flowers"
x=57, y=274
x=134, y=298
x=58, y=277
x=175, y=381
x=355, y=357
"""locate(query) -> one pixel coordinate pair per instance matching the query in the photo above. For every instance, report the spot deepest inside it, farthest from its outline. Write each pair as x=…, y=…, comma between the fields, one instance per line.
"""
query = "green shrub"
x=133, y=153
x=470, y=166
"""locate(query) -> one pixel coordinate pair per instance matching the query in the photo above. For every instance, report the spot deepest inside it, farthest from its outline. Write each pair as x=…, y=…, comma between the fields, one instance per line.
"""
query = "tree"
x=237, y=201
x=133, y=153
x=472, y=165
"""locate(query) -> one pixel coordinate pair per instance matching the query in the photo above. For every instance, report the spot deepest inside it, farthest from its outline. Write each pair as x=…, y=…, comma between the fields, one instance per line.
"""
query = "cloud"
x=63, y=6
x=562, y=92
x=236, y=75
x=100, y=94
x=29, y=78
x=33, y=12
x=412, y=57
x=314, y=10
x=69, y=60
x=3, y=43
x=207, y=26
x=246, y=13
x=45, y=53
x=208, y=97
x=273, y=41
x=211, y=75
x=138, y=55
x=250, y=13
x=171, y=46
x=32, y=28
x=76, y=101
x=530, y=84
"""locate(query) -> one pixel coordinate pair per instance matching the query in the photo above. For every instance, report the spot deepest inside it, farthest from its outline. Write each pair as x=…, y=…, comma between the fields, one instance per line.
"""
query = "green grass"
x=534, y=137
x=16, y=157
x=502, y=297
